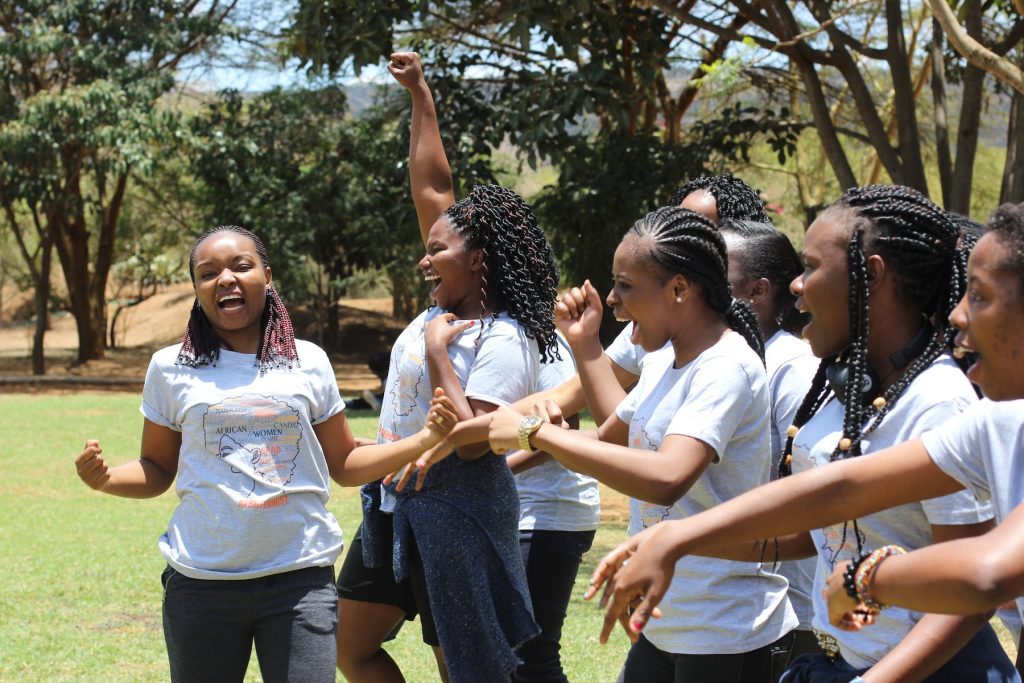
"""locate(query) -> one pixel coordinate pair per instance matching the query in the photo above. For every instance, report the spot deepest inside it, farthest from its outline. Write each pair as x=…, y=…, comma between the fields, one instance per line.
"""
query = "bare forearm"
x=814, y=499
x=369, y=463
x=600, y=385
x=138, y=479
x=929, y=645
x=521, y=461
x=960, y=577
x=568, y=396
x=429, y=171
x=650, y=477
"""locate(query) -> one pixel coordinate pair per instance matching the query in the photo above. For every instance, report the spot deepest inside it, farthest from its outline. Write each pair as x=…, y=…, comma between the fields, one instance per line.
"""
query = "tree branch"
x=976, y=53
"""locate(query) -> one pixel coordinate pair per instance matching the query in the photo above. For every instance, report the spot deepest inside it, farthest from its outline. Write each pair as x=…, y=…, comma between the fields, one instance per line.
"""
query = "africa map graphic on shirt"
x=259, y=437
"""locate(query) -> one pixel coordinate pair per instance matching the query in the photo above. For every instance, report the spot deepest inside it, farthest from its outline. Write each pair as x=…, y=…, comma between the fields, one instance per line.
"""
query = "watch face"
x=530, y=421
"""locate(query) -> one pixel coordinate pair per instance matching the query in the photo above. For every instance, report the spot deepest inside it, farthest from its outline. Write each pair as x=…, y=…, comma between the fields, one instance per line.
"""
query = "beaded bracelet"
x=849, y=576
x=866, y=572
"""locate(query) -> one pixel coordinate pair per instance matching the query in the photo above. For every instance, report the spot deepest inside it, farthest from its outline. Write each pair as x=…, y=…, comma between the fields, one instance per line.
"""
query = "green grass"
x=80, y=572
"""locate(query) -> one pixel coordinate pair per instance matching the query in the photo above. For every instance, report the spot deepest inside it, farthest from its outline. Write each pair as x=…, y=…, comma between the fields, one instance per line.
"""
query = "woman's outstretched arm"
x=430, y=176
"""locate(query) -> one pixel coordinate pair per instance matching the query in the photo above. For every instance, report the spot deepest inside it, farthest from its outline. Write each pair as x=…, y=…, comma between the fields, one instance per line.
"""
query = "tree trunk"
x=944, y=155
x=970, y=120
x=908, y=137
x=1013, y=172
x=42, y=304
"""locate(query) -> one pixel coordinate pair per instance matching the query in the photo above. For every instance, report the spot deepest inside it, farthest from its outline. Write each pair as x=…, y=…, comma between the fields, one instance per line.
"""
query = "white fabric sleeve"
x=789, y=386
x=158, y=402
x=961, y=507
x=625, y=353
x=956, y=449
x=624, y=411
x=503, y=371
x=326, y=396
x=717, y=401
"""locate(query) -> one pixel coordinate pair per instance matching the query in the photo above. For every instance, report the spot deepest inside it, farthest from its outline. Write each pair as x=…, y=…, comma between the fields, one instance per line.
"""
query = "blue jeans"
x=210, y=626
x=552, y=560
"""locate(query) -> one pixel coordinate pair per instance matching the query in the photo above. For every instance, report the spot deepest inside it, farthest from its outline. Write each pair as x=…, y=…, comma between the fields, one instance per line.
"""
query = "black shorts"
x=358, y=582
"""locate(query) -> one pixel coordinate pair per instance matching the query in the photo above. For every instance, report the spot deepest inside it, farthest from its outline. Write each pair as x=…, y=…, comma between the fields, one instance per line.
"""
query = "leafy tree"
x=79, y=86
x=582, y=85
x=293, y=166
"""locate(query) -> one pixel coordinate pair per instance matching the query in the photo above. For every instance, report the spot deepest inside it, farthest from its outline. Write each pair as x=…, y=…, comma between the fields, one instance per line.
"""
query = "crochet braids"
x=921, y=245
x=201, y=344
x=764, y=252
x=733, y=197
x=520, y=275
x=685, y=242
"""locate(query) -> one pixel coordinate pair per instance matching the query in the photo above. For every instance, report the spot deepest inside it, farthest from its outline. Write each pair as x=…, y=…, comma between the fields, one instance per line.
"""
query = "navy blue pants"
x=552, y=560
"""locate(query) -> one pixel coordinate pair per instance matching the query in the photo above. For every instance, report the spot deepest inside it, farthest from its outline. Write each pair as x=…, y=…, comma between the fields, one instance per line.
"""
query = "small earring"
x=679, y=299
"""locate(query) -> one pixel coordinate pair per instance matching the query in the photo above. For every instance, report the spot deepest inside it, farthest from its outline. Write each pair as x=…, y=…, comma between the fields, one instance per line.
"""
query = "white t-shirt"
x=937, y=395
x=551, y=497
x=625, y=353
x=494, y=361
x=721, y=398
x=982, y=451
x=791, y=367
x=252, y=480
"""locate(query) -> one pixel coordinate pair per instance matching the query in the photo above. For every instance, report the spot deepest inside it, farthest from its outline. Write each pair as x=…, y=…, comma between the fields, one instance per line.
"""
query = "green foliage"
x=329, y=194
x=79, y=84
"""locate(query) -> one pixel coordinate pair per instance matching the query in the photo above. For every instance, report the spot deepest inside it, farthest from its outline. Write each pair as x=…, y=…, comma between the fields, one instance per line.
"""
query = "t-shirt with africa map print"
x=252, y=480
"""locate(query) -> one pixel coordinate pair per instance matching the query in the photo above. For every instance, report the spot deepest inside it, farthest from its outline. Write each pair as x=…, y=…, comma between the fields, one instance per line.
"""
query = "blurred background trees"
x=113, y=155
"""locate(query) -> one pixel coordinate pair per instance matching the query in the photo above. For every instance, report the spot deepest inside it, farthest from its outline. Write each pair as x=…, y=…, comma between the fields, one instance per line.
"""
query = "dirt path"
x=366, y=326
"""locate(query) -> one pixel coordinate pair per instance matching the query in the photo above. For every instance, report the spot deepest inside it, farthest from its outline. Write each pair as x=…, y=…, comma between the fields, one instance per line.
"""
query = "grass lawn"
x=80, y=572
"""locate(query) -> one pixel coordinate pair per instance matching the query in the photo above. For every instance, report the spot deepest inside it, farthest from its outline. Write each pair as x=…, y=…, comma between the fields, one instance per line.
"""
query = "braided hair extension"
x=733, y=197
x=767, y=253
x=201, y=344
x=520, y=275
x=685, y=242
x=921, y=245
x=1008, y=225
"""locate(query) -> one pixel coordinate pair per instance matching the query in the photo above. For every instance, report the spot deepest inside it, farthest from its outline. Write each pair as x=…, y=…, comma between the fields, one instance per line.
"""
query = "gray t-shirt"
x=791, y=367
x=551, y=497
x=940, y=393
x=252, y=480
x=982, y=450
x=713, y=606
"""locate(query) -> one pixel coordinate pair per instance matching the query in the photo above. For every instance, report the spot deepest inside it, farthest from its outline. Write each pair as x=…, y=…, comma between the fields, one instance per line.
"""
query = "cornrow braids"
x=201, y=343
x=764, y=252
x=685, y=242
x=922, y=247
x=520, y=275
x=1008, y=225
x=733, y=197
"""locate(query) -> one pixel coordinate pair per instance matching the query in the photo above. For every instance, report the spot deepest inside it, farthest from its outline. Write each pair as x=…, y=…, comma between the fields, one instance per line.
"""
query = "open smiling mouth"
x=230, y=302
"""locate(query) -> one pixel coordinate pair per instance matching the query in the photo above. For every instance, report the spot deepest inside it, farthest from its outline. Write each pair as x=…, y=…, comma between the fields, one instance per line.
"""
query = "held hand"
x=91, y=467
x=405, y=67
x=843, y=611
x=441, y=419
x=504, y=430
x=636, y=576
x=550, y=412
x=578, y=314
x=442, y=331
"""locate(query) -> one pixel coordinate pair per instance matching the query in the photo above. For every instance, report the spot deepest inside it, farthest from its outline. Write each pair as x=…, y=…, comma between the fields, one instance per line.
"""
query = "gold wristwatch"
x=528, y=426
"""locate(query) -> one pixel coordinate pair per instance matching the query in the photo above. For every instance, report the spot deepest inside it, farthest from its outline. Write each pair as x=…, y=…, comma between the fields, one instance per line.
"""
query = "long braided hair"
x=764, y=252
x=733, y=197
x=921, y=245
x=201, y=344
x=520, y=275
x=685, y=242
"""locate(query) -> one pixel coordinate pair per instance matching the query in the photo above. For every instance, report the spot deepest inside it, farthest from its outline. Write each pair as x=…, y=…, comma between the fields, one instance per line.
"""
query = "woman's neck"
x=698, y=332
